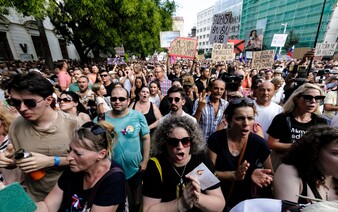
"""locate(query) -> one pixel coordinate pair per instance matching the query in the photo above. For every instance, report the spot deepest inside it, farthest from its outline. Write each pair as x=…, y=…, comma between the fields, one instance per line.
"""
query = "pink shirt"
x=64, y=79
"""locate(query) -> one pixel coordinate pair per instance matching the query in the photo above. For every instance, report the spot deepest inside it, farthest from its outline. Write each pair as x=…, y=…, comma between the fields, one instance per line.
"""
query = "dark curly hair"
x=161, y=135
x=304, y=154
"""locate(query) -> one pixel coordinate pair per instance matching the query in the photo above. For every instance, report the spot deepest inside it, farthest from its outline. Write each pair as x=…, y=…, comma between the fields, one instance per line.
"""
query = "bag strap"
x=238, y=164
x=96, y=187
x=158, y=165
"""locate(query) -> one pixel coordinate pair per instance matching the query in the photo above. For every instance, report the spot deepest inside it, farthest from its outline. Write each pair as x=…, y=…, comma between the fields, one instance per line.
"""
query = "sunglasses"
x=97, y=129
x=309, y=98
x=121, y=99
x=104, y=75
x=173, y=142
x=177, y=99
x=150, y=75
x=64, y=100
x=31, y=103
x=237, y=101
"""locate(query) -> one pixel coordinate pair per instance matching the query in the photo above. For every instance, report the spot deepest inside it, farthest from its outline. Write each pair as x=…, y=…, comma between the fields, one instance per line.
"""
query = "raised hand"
x=202, y=102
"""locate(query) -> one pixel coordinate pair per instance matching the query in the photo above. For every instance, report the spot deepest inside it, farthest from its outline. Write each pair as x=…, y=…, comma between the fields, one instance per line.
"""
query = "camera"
x=21, y=154
x=232, y=82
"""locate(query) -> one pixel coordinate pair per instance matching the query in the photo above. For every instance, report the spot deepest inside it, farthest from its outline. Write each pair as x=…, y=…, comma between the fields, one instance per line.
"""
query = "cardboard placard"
x=167, y=37
x=325, y=49
x=223, y=52
x=183, y=47
x=119, y=51
x=223, y=26
x=263, y=59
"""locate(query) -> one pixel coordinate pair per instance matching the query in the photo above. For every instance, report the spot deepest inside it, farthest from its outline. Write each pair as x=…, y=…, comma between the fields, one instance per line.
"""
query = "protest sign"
x=262, y=59
x=183, y=47
x=200, y=57
x=119, y=51
x=278, y=40
x=223, y=52
x=325, y=49
x=167, y=37
x=223, y=26
x=238, y=45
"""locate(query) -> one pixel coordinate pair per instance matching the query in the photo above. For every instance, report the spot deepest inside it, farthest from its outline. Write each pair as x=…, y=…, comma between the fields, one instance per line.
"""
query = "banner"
x=325, y=49
x=223, y=26
x=200, y=57
x=262, y=59
x=223, y=52
x=119, y=51
x=278, y=40
x=167, y=37
x=183, y=47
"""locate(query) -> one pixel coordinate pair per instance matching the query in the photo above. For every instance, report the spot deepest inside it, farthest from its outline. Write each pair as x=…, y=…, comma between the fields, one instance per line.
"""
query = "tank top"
x=150, y=116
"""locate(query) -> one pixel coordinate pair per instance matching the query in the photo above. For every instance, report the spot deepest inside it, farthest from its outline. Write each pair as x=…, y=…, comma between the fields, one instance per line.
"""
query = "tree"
x=99, y=25
x=292, y=39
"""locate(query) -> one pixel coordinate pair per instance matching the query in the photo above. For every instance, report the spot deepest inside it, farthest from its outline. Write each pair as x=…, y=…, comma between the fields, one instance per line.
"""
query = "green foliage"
x=100, y=25
x=292, y=39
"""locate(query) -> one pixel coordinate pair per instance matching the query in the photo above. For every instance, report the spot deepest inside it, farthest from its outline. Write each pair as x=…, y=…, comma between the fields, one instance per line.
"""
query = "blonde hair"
x=289, y=105
x=96, y=87
x=6, y=117
x=85, y=138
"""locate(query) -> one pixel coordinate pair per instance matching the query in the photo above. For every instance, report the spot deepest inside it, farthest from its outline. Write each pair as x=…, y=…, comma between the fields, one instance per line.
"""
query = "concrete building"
x=204, y=22
x=302, y=17
x=20, y=39
x=178, y=25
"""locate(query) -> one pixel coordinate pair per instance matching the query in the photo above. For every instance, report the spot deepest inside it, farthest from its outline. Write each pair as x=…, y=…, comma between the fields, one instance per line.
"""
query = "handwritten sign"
x=119, y=51
x=224, y=25
x=183, y=47
x=223, y=52
x=263, y=59
x=325, y=49
x=167, y=37
x=278, y=40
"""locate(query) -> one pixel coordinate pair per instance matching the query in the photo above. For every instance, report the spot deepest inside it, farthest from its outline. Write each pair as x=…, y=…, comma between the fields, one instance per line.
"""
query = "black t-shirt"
x=256, y=150
x=111, y=191
x=290, y=132
x=165, y=106
x=109, y=89
x=166, y=191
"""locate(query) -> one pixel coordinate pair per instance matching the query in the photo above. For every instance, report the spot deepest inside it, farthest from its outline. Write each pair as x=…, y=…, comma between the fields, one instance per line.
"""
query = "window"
x=5, y=51
x=63, y=47
x=37, y=45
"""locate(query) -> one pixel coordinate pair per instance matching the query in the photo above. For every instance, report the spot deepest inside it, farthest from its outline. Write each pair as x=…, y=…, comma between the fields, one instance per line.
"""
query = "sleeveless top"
x=150, y=116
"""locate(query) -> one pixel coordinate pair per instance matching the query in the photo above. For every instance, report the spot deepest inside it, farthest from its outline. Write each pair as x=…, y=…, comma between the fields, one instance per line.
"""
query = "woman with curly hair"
x=301, y=111
x=310, y=168
x=179, y=148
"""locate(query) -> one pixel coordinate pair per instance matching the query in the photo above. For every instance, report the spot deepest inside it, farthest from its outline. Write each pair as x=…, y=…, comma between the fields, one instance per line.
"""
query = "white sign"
x=167, y=37
x=223, y=52
x=223, y=26
x=26, y=57
x=278, y=40
x=204, y=175
x=325, y=49
x=119, y=51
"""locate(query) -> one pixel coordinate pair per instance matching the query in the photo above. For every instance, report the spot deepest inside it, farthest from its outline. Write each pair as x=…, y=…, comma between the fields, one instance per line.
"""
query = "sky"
x=188, y=9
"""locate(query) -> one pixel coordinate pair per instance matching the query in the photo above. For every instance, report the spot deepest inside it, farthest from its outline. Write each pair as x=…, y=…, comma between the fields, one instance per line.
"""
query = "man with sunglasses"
x=107, y=81
x=133, y=146
x=40, y=130
x=176, y=98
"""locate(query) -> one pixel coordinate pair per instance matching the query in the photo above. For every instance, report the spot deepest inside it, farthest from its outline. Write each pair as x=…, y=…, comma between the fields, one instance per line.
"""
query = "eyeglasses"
x=104, y=75
x=173, y=142
x=237, y=101
x=309, y=98
x=177, y=99
x=31, y=103
x=66, y=100
x=121, y=99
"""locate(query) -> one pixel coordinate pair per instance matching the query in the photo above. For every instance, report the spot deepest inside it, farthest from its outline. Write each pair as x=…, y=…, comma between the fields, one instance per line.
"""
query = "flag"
x=276, y=57
x=243, y=59
x=240, y=58
x=290, y=53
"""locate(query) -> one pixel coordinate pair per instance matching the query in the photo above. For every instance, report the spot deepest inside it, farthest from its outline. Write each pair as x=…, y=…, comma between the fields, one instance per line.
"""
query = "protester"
x=69, y=103
x=300, y=112
x=93, y=182
x=241, y=158
x=100, y=100
x=179, y=148
x=208, y=109
x=164, y=83
x=40, y=131
x=133, y=147
x=107, y=82
x=155, y=93
x=310, y=168
x=147, y=108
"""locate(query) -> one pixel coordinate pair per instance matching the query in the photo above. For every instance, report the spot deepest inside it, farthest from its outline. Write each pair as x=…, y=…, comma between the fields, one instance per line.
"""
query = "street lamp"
x=285, y=25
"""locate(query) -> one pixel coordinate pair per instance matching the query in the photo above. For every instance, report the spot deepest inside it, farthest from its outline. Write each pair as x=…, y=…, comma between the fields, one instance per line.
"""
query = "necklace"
x=180, y=186
x=326, y=190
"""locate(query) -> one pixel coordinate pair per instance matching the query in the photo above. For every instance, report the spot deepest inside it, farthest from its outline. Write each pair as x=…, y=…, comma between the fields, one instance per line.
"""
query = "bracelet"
x=56, y=161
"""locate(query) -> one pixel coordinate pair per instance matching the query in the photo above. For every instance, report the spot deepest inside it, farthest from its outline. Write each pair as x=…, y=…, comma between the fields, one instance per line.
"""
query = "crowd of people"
x=124, y=137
